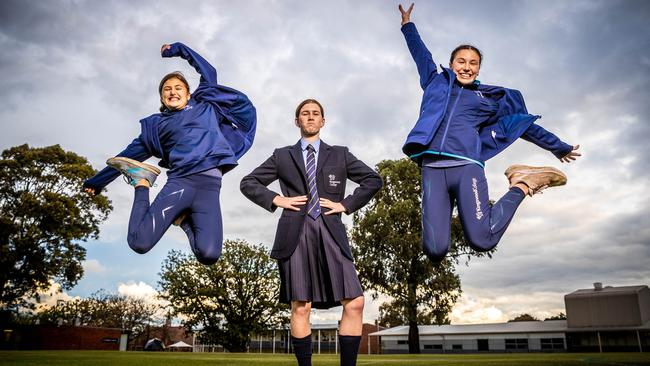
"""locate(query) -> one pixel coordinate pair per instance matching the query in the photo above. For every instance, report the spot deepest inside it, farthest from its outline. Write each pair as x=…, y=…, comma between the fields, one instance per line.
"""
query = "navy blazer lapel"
x=296, y=155
x=323, y=154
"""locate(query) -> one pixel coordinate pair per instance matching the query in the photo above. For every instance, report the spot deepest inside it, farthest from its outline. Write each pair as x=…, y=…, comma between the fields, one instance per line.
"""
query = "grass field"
x=113, y=358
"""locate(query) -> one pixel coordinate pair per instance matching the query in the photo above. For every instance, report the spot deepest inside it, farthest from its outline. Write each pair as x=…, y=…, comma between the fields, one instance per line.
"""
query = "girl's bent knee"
x=435, y=253
x=481, y=245
x=207, y=260
x=208, y=257
x=138, y=247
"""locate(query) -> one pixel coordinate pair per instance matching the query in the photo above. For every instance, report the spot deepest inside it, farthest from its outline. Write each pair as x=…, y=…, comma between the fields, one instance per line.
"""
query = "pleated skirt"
x=317, y=271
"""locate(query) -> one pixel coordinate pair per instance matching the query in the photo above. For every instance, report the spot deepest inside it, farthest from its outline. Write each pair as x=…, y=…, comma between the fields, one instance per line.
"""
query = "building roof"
x=548, y=326
x=609, y=328
x=180, y=344
x=607, y=290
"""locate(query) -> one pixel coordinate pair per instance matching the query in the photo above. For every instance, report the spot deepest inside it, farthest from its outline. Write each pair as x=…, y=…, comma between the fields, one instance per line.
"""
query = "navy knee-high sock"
x=302, y=350
x=349, y=349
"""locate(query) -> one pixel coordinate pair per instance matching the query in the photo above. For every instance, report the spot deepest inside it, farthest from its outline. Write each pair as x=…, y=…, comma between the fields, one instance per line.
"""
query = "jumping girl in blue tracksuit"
x=198, y=137
x=462, y=123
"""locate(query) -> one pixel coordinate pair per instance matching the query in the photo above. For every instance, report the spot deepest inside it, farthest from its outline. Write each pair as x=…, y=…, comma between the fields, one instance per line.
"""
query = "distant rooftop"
x=618, y=290
x=548, y=326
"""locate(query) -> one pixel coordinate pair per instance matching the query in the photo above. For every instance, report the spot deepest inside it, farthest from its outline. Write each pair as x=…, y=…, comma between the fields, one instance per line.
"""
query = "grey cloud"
x=83, y=73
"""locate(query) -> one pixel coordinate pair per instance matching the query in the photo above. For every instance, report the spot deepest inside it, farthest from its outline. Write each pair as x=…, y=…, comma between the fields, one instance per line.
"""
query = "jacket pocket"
x=333, y=179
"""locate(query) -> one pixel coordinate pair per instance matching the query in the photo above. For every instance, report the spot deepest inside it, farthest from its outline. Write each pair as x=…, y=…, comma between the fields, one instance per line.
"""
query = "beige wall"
x=608, y=309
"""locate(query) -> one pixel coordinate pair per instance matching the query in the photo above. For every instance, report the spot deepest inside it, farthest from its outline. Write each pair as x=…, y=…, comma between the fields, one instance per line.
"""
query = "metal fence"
x=323, y=341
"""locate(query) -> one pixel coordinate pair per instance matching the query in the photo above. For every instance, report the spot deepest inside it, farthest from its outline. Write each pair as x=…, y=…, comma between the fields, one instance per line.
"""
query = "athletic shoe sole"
x=117, y=161
x=527, y=169
x=530, y=176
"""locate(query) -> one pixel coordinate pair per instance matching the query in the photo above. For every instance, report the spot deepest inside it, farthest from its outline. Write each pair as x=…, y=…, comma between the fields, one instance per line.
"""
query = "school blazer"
x=335, y=165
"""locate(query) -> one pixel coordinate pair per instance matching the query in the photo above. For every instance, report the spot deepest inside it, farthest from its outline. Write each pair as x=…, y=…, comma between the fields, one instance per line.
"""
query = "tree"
x=387, y=237
x=103, y=309
x=524, y=318
x=392, y=314
x=560, y=316
x=229, y=300
x=44, y=214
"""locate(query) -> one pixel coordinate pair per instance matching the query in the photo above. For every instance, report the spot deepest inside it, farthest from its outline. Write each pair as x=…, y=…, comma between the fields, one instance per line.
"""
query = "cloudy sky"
x=82, y=73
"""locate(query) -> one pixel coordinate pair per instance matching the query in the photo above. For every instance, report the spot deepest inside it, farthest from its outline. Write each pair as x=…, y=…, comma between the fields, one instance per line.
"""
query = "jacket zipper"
x=451, y=82
x=451, y=114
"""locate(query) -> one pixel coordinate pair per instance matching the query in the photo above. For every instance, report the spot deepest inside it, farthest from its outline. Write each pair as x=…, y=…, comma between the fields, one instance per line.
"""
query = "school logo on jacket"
x=332, y=181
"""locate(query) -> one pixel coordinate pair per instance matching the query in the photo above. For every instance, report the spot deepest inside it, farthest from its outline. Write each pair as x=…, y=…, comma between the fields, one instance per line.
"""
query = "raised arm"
x=208, y=72
x=234, y=106
x=427, y=69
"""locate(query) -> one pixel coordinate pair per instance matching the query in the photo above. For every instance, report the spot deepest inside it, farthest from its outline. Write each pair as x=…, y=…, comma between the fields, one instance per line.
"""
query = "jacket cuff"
x=269, y=199
x=409, y=27
x=90, y=184
x=173, y=51
x=348, y=203
x=563, y=150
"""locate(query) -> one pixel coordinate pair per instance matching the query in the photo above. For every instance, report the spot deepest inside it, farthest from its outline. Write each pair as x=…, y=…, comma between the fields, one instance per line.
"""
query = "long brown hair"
x=307, y=101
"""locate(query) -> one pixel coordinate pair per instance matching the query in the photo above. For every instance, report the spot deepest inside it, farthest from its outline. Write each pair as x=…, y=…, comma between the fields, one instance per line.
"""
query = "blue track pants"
x=197, y=195
x=466, y=185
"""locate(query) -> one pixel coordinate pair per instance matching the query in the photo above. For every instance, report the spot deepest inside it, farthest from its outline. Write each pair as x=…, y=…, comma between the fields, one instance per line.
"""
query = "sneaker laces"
x=131, y=181
x=540, y=189
x=128, y=179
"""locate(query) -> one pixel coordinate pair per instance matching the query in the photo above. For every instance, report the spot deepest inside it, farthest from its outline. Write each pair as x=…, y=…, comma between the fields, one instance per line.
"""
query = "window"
x=433, y=346
x=402, y=342
x=552, y=343
x=513, y=344
x=483, y=344
x=457, y=346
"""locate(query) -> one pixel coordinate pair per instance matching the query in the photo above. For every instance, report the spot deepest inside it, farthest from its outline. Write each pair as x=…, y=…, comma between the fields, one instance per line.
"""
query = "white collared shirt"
x=303, y=146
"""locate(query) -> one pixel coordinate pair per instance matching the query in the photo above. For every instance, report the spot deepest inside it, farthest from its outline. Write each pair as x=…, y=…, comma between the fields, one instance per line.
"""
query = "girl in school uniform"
x=462, y=123
x=198, y=137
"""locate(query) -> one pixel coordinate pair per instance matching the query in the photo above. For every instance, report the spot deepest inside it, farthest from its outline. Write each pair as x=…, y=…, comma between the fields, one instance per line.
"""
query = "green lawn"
x=114, y=358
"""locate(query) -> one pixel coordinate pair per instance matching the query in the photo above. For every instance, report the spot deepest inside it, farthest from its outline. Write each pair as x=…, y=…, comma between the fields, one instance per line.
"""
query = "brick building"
x=51, y=337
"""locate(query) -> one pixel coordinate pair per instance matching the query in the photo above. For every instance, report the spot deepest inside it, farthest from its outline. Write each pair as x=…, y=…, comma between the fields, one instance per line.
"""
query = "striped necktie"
x=313, y=205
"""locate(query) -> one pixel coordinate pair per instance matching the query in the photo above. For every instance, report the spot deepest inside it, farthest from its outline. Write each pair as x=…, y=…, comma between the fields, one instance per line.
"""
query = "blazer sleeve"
x=546, y=140
x=254, y=185
x=423, y=60
x=369, y=183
